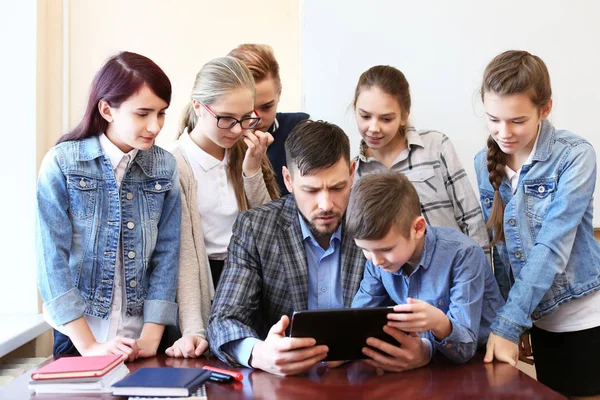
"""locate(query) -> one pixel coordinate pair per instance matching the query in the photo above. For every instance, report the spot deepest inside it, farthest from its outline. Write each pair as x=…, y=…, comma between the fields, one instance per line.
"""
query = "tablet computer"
x=344, y=331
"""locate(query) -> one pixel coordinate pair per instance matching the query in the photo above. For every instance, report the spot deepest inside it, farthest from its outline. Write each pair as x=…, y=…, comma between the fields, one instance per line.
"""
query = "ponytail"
x=187, y=120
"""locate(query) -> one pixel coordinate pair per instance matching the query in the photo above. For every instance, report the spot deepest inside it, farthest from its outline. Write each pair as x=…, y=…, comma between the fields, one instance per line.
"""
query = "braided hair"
x=509, y=73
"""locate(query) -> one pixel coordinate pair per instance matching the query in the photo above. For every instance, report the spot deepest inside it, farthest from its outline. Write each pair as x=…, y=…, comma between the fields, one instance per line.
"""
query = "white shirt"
x=118, y=322
x=576, y=315
x=216, y=198
x=513, y=176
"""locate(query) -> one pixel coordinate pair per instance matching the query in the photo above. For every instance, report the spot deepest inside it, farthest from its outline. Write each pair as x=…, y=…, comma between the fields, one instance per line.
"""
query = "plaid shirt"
x=432, y=165
x=266, y=274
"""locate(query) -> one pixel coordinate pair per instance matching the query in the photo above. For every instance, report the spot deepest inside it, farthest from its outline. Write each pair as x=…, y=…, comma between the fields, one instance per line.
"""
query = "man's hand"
x=501, y=349
x=420, y=316
x=188, y=346
x=282, y=355
x=413, y=353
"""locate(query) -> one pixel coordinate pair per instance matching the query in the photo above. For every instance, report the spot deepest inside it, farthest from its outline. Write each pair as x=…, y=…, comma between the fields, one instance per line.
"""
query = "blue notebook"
x=161, y=382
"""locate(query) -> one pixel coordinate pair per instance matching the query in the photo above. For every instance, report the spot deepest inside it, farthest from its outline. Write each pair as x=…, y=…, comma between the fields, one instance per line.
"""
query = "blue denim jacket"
x=454, y=276
x=81, y=215
x=550, y=248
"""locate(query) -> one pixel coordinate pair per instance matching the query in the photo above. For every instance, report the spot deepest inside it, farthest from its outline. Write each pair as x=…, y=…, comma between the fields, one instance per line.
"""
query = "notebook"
x=78, y=367
x=162, y=382
x=86, y=385
x=199, y=394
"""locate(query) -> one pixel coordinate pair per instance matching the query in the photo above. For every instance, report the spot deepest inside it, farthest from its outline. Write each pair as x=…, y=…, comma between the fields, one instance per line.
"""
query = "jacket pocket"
x=82, y=195
x=486, y=198
x=539, y=193
x=155, y=191
x=423, y=179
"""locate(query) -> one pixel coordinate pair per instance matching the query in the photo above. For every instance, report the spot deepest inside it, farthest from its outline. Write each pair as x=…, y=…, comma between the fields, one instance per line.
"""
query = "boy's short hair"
x=315, y=145
x=379, y=200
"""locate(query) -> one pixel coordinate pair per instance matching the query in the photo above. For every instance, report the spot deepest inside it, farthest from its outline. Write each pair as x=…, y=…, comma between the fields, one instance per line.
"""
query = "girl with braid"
x=536, y=184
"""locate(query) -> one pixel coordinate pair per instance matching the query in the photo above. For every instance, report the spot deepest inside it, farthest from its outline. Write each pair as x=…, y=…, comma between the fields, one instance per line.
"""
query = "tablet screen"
x=344, y=331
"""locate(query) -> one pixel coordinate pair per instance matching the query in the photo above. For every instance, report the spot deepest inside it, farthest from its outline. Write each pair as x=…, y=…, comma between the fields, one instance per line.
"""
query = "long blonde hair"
x=219, y=77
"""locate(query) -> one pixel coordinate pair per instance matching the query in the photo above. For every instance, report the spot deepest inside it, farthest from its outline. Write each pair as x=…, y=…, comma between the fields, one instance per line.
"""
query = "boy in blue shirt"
x=439, y=279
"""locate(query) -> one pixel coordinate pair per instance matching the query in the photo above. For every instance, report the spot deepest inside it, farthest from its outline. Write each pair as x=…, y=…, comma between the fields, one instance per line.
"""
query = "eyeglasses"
x=229, y=122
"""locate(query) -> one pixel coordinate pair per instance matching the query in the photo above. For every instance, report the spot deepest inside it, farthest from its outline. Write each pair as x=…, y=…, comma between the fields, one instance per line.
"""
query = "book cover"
x=161, y=382
x=101, y=385
x=78, y=367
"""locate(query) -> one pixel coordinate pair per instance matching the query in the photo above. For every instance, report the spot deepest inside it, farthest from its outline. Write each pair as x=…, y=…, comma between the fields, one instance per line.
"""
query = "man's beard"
x=313, y=228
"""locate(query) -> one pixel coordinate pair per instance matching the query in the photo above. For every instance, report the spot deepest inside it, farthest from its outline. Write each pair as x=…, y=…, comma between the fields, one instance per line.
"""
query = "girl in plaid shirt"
x=382, y=106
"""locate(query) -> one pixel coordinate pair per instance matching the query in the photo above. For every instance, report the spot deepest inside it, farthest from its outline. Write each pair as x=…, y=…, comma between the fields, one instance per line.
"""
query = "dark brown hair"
x=509, y=73
x=314, y=145
x=379, y=200
x=389, y=80
x=120, y=77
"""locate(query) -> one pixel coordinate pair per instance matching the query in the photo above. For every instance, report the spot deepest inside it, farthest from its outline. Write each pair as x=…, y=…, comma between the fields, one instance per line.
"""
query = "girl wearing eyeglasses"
x=223, y=170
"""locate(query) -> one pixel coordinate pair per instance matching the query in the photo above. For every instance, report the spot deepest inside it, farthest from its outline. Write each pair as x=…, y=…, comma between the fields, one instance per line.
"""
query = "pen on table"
x=221, y=378
x=235, y=375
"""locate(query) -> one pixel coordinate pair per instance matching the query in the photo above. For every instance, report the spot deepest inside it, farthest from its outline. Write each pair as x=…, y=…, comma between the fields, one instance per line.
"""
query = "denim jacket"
x=81, y=214
x=550, y=255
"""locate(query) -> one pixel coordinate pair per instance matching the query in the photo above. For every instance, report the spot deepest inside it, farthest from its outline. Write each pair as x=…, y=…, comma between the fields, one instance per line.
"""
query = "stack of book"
x=91, y=374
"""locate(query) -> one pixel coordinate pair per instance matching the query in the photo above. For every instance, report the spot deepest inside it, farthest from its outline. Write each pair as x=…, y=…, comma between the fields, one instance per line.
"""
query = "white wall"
x=180, y=36
x=18, y=158
x=442, y=47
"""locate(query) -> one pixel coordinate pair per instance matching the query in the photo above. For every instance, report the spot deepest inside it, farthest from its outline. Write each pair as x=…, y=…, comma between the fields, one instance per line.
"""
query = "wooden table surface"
x=355, y=380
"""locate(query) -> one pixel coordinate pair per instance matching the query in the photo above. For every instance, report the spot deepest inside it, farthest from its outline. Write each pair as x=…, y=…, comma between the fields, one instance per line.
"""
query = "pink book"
x=78, y=367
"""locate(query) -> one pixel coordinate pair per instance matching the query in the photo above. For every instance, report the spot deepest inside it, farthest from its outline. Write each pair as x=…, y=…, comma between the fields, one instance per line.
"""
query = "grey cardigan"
x=195, y=289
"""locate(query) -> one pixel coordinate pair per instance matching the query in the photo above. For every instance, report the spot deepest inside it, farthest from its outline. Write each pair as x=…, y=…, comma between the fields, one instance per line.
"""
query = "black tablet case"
x=344, y=331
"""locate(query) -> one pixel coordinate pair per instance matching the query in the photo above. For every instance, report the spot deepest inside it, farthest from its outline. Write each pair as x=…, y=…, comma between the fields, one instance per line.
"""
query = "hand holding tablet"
x=343, y=331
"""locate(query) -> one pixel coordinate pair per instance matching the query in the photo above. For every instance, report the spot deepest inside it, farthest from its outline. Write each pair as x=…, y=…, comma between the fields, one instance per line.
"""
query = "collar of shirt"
x=307, y=234
x=114, y=154
x=274, y=126
x=412, y=137
x=427, y=254
x=512, y=175
x=199, y=156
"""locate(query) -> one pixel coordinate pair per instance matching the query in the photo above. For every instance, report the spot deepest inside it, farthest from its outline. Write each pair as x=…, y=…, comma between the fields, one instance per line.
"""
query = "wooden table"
x=356, y=380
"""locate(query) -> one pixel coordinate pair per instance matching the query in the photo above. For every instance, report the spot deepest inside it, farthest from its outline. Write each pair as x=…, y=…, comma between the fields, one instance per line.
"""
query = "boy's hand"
x=420, y=316
x=413, y=353
x=188, y=346
x=282, y=355
x=502, y=349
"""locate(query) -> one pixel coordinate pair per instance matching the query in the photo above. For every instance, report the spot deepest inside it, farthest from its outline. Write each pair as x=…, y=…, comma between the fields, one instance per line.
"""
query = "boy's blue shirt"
x=453, y=275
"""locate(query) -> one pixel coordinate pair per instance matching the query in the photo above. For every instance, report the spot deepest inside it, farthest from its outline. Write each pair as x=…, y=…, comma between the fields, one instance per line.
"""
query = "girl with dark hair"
x=108, y=219
x=536, y=185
